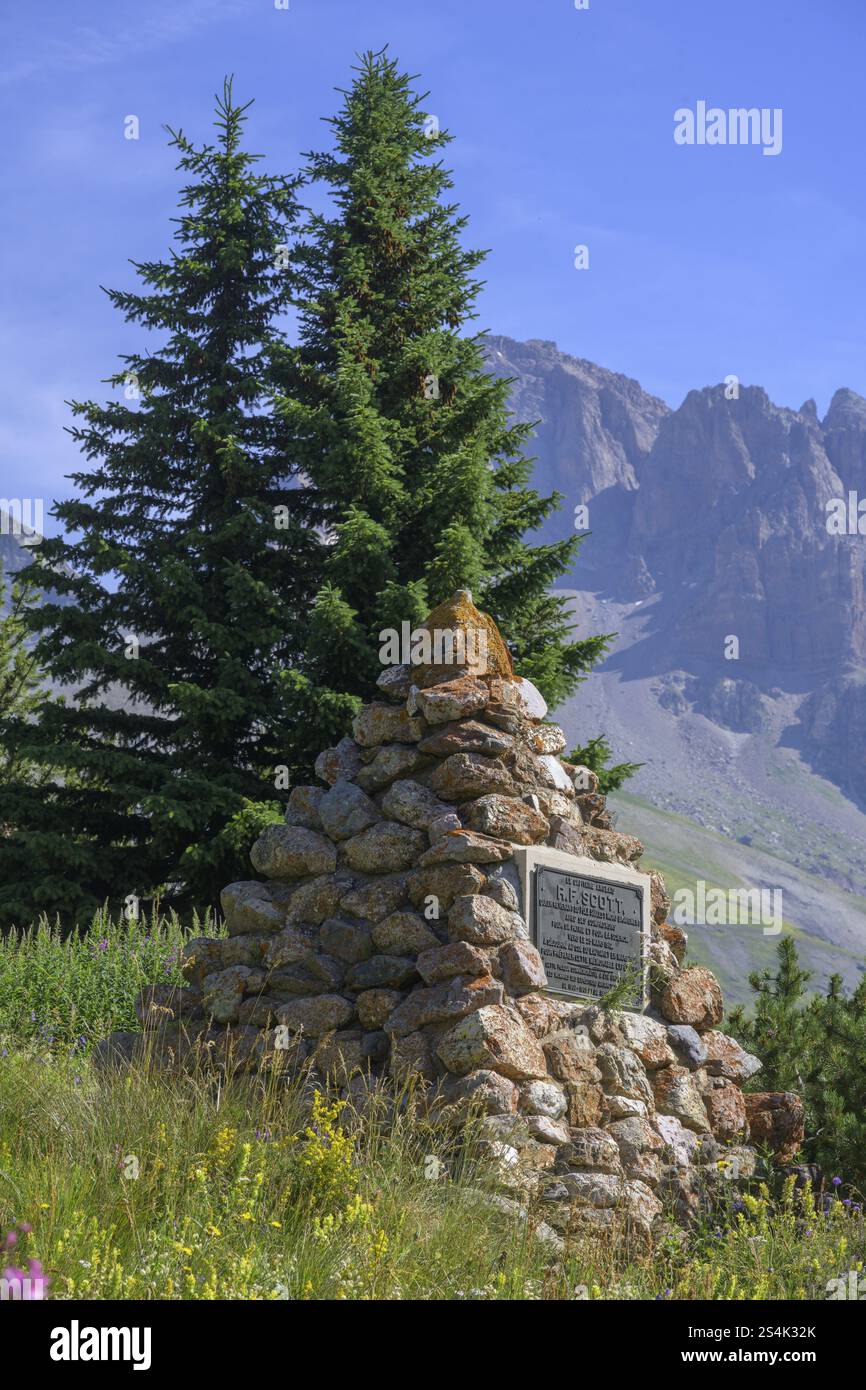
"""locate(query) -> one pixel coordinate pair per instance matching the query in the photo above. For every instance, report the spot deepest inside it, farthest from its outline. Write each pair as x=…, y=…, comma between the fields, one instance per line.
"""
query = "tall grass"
x=69, y=990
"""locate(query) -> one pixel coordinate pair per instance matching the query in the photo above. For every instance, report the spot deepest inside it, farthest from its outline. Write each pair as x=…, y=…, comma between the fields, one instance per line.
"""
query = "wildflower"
x=837, y=1182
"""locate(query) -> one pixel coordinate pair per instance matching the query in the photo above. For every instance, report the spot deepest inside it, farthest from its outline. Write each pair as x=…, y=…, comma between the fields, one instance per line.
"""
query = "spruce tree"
x=185, y=591
x=20, y=678
x=416, y=473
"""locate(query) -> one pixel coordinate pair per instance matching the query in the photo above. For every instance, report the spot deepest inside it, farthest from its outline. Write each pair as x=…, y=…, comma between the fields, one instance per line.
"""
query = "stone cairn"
x=387, y=937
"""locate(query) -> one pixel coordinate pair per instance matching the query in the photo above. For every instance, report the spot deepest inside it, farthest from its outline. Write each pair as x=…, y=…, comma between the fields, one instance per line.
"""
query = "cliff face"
x=716, y=514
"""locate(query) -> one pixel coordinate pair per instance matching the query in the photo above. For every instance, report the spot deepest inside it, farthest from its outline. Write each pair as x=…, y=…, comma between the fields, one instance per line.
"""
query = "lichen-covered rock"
x=439, y=885
x=393, y=760
x=223, y=991
x=726, y=1113
x=466, y=775
x=465, y=847
x=676, y=1094
x=287, y=948
x=508, y=818
x=346, y=941
x=482, y=1090
x=375, y=1005
x=374, y=900
x=381, y=972
x=496, y=1039
x=291, y=851
x=725, y=1057
x=647, y=1037
x=345, y=810
x=456, y=958
x=378, y=724
x=623, y=1074
x=312, y=902
x=303, y=807
x=590, y=1148
x=454, y=699
x=676, y=938
x=412, y=1057
x=547, y=738
x=776, y=1121
x=443, y=1003
x=521, y=967
x=323, y=1013
x=687, y=1044
x=249, y=907
x=395, y=682
x=466, y=736
x=463, y=641
x=404, y=934
x=342, y=761
x=482, y=922
x=386, y=847
x=413, y=804
x=693, y=996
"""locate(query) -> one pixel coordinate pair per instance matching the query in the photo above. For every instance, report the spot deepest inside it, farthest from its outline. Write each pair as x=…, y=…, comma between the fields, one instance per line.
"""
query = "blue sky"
x=704, y=261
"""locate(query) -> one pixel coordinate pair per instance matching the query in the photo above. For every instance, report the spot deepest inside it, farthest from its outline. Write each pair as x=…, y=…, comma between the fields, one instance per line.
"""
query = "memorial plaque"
x=590, y=923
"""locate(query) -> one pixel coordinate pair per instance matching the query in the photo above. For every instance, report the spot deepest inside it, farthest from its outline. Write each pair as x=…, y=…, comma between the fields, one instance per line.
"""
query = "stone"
x=647, y=1037
x=590, y=1148
x=565, y=836
x=340, y=1054
x=315, y=974
x=726, y=1113
x=493, y=1038
x=507, y=818
x=392, y=760
x=291, y=851
x=249, y=907
x=303, y=807
x=244, y=950
x=681, y=1145
x=411, y=1058
x=381, y=972
x=347, y=941
x=258, y=1011
x=404, y=934
x=345, y=810
x=158, y=1005
x=572, y=1060
x=725, y=1057
x=693, y=996
x=688, y=1045
x=776, y=1121
x=287, y=948
x=464, y=641
x=466, y=775
x=521, y=967
x=199, y=957
x=444, y=883
x=596, y=1189
x=395, y=682
x=318, y=899
x=676, y=938
x=548, y=738
x=386, y=847
x=677, y=1094
x=518, y=696
x=443, y=1003
x=452, y=699
x=503, y=886
x=547, y=1130
x=375, y=1005
x=554, y=775
x=457, y=958
x=609, y=846
x=484, y=1090
x=465, y=846
x=623, y=1074
x=634, y=1137
x=343, y=761
x=482, y=922
x=325, y=1013
x=223, y=991
x=377, y=724
x=374, y=900
x=442, y=826
x=466, y=736
x=663, y=967
x=413, y=804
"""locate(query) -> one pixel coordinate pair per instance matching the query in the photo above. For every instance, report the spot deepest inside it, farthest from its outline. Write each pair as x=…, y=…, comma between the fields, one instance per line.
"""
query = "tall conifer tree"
x=416, y=472
x=187, y=599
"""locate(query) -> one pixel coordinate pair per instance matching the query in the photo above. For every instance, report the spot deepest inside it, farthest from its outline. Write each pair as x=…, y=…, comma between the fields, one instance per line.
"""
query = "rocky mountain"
x=739, y=672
